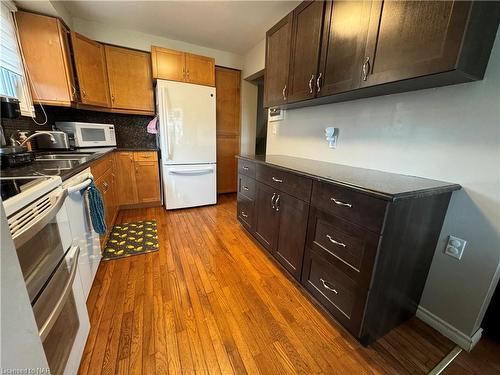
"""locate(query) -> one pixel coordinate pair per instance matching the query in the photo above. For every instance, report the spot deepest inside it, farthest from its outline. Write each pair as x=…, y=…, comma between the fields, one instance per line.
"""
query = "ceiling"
x=234, y=26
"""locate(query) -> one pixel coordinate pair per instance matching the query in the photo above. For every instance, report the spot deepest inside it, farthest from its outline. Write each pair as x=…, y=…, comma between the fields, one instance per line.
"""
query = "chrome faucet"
x=15, y=141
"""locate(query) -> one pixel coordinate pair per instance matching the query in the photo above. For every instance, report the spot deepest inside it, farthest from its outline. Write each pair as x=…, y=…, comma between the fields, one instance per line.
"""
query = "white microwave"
x=85, y=134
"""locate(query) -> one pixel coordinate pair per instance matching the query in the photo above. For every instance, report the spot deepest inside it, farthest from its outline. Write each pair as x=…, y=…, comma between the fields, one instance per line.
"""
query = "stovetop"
x=15, y=185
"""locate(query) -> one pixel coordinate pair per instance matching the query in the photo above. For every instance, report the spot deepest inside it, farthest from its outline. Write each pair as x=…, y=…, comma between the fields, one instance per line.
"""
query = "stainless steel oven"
x=49, y=262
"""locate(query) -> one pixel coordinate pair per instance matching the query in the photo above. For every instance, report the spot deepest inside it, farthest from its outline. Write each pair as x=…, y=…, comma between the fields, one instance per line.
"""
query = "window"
x=12, y=75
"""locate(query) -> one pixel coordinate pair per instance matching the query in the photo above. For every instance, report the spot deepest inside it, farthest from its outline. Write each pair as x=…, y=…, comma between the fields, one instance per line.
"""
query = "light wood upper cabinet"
x=168, y=64
x=180, y=66
x=130, y=81
x=90, y=61
x=200, y=70
x=44, y=42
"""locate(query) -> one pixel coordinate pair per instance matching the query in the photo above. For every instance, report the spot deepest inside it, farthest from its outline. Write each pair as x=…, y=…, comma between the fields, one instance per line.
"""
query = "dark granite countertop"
x=385, y=185
x=64, y=168
x=137, y=149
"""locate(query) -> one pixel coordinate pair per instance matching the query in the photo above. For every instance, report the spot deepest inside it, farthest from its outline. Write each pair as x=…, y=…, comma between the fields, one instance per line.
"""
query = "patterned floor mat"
x=129, y=239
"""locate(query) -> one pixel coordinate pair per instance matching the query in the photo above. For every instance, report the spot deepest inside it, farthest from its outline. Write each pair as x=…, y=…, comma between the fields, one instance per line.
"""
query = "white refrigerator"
x=187, y=138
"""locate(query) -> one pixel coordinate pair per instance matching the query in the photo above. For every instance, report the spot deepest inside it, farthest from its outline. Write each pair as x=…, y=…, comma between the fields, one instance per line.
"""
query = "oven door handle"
x=32, y=229
x=80, y=186
x=52, y=318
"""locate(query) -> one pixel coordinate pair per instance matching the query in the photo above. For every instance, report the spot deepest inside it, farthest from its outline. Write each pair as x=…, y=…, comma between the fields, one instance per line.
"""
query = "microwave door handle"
x=32, y=229
x=52, y=318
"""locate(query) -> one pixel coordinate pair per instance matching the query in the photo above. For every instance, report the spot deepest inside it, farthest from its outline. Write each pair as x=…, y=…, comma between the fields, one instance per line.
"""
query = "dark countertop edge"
x=378, y=194
x=98, y=155
x=136, y=149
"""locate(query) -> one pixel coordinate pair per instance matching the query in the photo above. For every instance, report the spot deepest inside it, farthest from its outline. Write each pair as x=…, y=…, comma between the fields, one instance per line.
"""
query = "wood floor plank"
x=211, y=301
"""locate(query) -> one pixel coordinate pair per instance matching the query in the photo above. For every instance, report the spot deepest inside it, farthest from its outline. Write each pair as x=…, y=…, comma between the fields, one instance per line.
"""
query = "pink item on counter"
x=152, y=126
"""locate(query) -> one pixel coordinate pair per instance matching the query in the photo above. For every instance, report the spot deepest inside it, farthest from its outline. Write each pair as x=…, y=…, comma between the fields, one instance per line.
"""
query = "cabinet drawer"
x=246, y=167
x=146, y=156
x=299, y=187
x=354, y=246
x=335, y=290
x=100, y=167
x=246, y=212
x=349, y=205
x=246, y=186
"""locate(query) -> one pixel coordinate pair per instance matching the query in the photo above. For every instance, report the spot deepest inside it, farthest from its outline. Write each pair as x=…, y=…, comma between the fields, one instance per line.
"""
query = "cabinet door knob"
x=326, y=285
x=311, y=84
x=335, y=242
x=318, y=83
x=340, y=203
x=366, y=68
x=272, y=201
x=277, y=203
x=284, y=93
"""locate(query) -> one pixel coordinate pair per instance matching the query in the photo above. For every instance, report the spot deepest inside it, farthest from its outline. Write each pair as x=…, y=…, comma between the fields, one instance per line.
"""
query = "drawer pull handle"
x=245, y=168
x=277, y=180
x=340, y=203
x=272, y=201
x=335, y=242
x=326, y=286
x=245, y=187
x=244, y=214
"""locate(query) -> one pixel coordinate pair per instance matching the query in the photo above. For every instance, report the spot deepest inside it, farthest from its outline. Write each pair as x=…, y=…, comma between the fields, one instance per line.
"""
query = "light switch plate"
x=455, y=247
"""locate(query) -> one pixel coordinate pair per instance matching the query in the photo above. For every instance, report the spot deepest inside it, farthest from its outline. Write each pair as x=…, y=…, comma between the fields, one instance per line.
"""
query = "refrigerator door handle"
x=194, y=171
x=165, y=126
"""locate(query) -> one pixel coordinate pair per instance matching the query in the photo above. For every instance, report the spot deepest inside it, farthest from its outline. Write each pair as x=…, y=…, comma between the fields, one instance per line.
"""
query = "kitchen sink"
x=52, y=157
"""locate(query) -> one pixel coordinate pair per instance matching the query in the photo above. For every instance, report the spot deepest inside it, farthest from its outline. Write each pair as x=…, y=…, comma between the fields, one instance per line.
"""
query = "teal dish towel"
x=96, y=208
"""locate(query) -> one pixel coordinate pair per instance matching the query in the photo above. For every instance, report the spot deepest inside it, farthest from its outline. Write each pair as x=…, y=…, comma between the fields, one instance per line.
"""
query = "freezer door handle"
x=190, y=172
x=164, y=127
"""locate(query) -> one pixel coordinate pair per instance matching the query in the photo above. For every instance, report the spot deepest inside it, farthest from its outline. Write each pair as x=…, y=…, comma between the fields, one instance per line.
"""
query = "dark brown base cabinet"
x=362, y=253
x=344, y=50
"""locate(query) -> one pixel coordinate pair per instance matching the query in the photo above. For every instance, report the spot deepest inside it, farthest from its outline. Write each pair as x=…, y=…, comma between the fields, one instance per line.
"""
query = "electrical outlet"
x=455, y=247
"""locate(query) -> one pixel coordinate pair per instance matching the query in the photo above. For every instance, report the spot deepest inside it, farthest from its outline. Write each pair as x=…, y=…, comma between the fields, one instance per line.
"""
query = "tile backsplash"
x=130, y=129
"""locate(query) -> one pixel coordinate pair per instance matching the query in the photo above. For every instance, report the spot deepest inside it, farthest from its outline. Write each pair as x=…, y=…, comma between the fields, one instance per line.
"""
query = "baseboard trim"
x=447, y=330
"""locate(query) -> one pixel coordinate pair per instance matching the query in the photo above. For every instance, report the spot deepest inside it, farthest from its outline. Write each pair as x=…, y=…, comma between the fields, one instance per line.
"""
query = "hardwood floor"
x=484, y=359
x=211, y=301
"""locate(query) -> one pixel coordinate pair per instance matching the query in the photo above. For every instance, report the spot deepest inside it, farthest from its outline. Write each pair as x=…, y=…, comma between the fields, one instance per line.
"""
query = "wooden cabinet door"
x=343, y=47
x=292, y=232
x=130, y=81
x=126, y=185
x=278, y=41
x=304, y=56
x=200, y=70
x=266, y=217
x=413, y=38
x=44, y=42
x=147, y=177
x=168, y=64
x=90, y=64
x=227, y=83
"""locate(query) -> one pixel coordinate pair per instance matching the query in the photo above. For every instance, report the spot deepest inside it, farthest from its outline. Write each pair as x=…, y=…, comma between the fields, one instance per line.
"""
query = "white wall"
x=450, y=133
x=135, y=39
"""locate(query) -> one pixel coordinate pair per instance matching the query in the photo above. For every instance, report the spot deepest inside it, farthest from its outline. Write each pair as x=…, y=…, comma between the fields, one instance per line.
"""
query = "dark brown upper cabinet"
x=306, y=39
x=343, y=49
x=414, y=38
x=278, y=41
